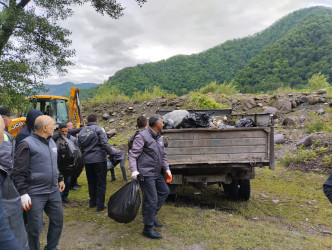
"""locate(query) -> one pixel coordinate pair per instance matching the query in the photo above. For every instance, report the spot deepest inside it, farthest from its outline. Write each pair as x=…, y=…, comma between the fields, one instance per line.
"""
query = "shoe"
x=65, y=199
x=156, y=223
x=125, y=181
x=77, y=185
x=92, y=206
x=99, y=209
x=113, y=179
x=149, y=232
x=75, y=188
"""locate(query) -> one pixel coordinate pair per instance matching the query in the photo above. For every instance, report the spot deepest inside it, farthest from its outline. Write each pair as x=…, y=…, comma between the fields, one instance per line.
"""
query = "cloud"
x=161, y=29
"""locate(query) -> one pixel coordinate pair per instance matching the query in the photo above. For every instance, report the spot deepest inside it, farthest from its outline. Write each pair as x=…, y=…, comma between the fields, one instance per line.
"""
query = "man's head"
x=92, y=118
x=6, y=116
x=63, y=129
x=31, y=117
x=142, y=122
x=156, y=123
x=70, y=125
x=44, y=126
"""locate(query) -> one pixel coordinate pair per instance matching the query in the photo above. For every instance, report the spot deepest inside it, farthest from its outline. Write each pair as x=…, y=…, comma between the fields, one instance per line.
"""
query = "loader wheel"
x=244, y=190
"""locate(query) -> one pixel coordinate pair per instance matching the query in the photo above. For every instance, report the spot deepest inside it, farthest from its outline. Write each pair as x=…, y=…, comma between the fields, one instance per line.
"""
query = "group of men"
x=31, y=182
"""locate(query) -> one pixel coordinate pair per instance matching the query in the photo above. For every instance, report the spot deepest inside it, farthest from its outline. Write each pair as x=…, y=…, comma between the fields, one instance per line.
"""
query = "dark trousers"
x=96, y=175
x=123, y=170
x=7, y=239
x=52, y=205
x=155, y=192
x=67, y=180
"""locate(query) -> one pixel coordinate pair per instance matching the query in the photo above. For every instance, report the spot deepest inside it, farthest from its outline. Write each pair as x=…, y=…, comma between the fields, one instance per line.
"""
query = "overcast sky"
x=161, y=29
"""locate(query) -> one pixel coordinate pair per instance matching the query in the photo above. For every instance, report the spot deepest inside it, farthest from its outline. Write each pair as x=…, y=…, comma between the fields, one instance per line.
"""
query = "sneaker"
x=75, y=188
x=113, y=179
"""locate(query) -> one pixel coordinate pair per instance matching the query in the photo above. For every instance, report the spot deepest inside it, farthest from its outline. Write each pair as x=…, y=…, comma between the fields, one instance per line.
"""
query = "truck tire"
x=232, y=190
x=244, y=190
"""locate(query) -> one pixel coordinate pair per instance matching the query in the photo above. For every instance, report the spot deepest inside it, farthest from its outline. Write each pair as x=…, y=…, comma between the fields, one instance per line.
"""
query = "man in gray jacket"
x=38, y=181
x=93, y=143
x=11, y=201
x=147, y=158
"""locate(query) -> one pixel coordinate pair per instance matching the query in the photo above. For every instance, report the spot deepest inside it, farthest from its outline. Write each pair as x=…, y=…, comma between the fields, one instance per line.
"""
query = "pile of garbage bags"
x=183, y=119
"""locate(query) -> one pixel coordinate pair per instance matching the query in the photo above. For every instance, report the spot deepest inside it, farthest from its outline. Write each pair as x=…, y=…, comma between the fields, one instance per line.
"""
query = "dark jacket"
x=7, y=153
x=35, y=166
x=147, y=155
x=93, y=143
x=327, y=187
x=28, y=128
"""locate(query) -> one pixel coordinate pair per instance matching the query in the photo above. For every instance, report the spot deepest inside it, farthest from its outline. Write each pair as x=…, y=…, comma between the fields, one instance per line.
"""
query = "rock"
x=306, y=141
x=322, y=99
x=111, y=133
x=320, y=111
x=294, y=104
x=302, y=119
x=321, y=91
x=113, y=114
x=148, y=104
x=288, y=121
x=130, y=108
x=250, y=103
x=283, y=106
x=111, y=120
x=290, y=95
x=275, y=201
x=271, y=110
x=303, y=99
x=279, y=139
x=313, y=99
x=105, y=116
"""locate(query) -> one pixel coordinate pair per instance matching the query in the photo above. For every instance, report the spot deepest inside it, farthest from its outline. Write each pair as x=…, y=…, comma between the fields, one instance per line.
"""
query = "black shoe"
x=75, y=188
x=149, y=232
x=77, y=185
x=99, y=209
x=113, y=179
x=65, y=199
x=92, y=206
x=156, y=223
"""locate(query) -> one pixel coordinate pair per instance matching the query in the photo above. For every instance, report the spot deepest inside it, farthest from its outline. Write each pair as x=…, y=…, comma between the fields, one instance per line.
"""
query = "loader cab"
x=54, y=106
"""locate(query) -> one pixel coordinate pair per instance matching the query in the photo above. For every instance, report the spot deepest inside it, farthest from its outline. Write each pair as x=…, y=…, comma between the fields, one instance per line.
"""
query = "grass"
x=287, y=210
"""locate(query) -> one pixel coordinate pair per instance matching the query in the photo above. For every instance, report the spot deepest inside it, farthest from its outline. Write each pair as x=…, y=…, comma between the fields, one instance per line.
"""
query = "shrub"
x=224, y=88
x=148, y=95
x=318, y=81
x=199, y=101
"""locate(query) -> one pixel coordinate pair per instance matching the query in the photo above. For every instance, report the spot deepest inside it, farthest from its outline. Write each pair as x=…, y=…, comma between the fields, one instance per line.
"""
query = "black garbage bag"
x=196, y=120
x=245, y=122
x=124, y=204
x=70, y=158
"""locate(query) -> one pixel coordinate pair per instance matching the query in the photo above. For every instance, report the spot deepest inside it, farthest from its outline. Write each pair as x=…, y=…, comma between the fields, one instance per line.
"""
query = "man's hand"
x=134, y=175
x=169, y=176
x=61, y=186
x=26, y=202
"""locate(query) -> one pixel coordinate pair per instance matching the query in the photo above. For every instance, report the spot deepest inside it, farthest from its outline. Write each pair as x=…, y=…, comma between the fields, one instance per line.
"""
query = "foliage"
x=199, y=101
x=302, y=156
x=318, y=81
x=286, y=54
x=149, y=95
x=315, y=123
x=225, y=88
x=32, y=44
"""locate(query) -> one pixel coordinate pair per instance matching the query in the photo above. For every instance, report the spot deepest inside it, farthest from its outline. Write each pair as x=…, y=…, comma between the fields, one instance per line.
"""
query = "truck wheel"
x=232, y=190
x=244, y=190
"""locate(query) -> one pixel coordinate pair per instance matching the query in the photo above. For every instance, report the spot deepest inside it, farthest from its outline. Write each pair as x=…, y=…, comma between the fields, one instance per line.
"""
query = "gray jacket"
x=147, y=155
x=36, y=170
x=7, y=153
x=94, y=144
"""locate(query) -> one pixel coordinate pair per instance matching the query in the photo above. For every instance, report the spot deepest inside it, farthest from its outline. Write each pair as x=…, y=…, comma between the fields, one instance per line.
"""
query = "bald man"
x=39, y=182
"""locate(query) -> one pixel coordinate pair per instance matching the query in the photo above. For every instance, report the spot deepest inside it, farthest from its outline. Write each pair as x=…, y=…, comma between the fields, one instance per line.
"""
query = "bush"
x=315, y=123
x=149, y=95
x=225, y=88
x=199, y=101
x=318, y=81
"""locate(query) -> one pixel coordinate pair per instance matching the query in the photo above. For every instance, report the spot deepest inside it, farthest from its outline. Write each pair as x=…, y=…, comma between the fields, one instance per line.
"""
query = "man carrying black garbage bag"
x=327, y=187
x=147, y=158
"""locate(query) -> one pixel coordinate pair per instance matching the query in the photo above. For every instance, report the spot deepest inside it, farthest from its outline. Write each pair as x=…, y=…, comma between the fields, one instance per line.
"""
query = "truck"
x=225, y=156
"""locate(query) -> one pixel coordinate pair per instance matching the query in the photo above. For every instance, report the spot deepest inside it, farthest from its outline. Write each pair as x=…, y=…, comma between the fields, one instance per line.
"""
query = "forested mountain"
x=285, y=54
x=64, y=88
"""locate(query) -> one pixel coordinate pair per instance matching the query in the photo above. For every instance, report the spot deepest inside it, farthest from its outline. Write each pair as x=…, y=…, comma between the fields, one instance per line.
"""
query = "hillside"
x=285, y=54
x=64, y=88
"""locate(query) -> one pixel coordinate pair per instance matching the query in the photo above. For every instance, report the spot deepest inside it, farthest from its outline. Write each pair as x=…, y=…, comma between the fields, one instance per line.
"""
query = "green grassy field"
x=287, y=210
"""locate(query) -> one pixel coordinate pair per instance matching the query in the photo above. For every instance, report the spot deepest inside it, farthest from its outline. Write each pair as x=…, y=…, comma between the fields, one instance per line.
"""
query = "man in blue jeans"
x=7, y=239
x=147, y=158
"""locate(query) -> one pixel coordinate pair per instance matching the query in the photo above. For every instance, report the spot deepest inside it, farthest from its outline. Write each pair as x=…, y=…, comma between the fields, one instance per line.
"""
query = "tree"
x=32, y=43
x=318, y=81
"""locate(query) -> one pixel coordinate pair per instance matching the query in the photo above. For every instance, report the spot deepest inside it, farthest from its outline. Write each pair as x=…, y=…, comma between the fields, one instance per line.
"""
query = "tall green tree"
x=32, y=43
